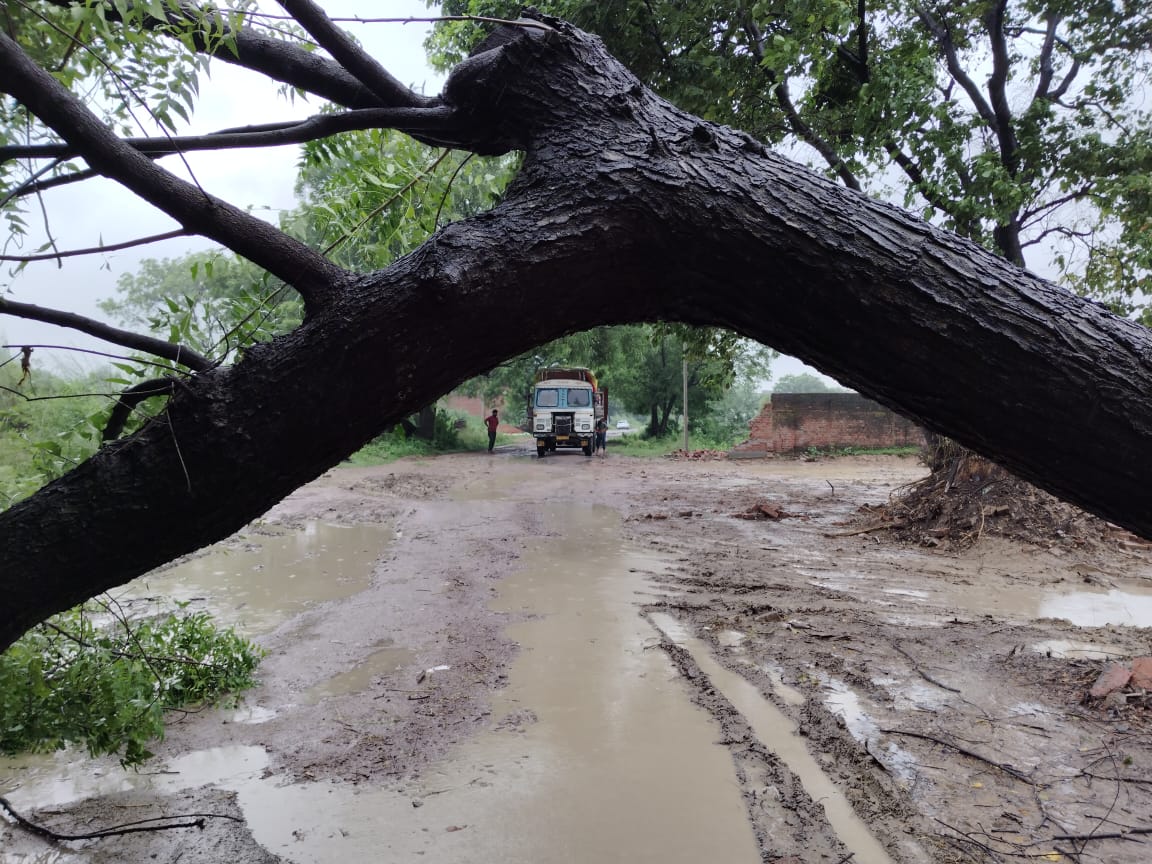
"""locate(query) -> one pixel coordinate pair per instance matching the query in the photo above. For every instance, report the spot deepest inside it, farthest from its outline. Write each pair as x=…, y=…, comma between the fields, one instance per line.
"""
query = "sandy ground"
x=939, y=695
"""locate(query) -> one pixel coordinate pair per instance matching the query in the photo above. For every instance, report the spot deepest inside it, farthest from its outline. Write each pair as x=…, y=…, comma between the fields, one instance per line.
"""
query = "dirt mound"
x=966, y=497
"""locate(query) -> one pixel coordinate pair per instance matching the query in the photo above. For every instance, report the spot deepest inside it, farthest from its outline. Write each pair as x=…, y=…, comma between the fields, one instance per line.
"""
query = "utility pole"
x=685, y=378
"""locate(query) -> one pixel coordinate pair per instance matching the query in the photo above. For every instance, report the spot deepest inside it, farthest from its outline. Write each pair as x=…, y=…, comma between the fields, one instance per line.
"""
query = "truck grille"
x=563, y=424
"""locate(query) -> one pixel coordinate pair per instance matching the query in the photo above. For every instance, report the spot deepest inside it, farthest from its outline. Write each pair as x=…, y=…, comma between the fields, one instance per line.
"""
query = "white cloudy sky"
x=101, y=212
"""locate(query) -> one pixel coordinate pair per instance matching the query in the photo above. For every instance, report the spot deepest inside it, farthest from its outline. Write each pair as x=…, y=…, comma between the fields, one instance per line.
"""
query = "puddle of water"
x=779, y=734
x=843, y=701
x=1132, y=607
x=495, y=485
x=251, y=714
x=1072, y=649
x=731, y=638
x=35, y=781
x=907, y=592
x=786, y=692
x=616, y=744
x=361, y=676
x=257, y=587
x=1097, y=609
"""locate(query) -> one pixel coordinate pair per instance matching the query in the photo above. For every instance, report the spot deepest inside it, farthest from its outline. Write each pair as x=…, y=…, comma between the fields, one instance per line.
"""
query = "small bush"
x=106, y=687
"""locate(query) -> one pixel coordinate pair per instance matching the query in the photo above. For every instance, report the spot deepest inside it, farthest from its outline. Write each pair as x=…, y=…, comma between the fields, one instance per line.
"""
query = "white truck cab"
x=564, y=408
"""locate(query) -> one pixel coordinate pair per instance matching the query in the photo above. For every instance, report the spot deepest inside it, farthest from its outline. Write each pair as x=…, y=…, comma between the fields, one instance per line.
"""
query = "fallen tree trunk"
x=626, y=209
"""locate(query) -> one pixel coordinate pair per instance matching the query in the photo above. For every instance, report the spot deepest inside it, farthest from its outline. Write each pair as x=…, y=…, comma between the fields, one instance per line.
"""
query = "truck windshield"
x=563, y=397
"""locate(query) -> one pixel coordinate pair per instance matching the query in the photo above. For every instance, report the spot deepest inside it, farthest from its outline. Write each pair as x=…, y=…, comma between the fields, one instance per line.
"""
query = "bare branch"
x=96, y=250
x=310, y=273
x=997, y=87
x=94, y=353
x=798, y=125
x=1044, y=80
x=440, y=120
x=128, y=401
x=157, y=347
x=347, y=53
x=153, y=824
x=948, y=49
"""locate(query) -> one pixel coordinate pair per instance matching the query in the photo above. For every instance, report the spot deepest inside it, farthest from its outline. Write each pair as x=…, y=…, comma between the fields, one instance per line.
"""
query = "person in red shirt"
x=491, y=421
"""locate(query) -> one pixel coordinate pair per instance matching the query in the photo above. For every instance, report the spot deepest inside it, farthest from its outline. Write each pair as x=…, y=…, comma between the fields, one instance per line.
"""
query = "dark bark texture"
x=627, y=209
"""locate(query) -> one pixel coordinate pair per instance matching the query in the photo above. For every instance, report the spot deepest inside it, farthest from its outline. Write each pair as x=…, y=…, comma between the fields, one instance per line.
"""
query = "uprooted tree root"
x=966, y=497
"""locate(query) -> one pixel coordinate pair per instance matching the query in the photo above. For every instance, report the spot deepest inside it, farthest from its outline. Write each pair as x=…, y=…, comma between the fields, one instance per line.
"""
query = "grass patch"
x=455, y=433
x=815, y=452
x=635, y=444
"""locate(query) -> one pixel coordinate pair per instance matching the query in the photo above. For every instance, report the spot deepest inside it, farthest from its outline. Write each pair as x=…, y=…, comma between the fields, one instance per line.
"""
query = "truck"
x=563, y=409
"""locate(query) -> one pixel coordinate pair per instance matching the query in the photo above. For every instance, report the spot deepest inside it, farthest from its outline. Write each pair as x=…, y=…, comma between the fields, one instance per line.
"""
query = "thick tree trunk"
x=627, y=209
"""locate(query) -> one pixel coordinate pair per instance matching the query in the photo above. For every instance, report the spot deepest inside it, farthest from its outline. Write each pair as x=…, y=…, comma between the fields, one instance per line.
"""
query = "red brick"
x=1114, y=676
x=1142, y=673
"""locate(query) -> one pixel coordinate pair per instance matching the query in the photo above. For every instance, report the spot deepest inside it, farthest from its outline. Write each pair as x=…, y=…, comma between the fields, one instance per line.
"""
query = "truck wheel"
x=540, y=451
x=587, y=448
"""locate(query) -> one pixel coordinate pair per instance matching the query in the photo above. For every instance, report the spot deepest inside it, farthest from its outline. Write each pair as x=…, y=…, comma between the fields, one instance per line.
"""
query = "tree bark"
x=626, y=209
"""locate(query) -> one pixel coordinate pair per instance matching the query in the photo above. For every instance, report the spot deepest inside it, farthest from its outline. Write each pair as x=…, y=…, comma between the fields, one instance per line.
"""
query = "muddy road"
x=482, y=658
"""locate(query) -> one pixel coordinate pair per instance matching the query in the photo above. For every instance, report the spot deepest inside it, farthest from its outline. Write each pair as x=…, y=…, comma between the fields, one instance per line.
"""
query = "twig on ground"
x=921, y=672
x=1112, y=835
x=198, y=821
x=883, y=526
x=1007, y=769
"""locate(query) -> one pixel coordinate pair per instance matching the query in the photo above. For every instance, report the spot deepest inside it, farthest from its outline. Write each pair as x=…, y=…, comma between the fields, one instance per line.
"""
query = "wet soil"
x=617, y=659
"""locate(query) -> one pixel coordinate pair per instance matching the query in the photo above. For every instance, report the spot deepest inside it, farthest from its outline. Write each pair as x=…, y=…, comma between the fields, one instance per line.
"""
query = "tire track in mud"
x=790, y=825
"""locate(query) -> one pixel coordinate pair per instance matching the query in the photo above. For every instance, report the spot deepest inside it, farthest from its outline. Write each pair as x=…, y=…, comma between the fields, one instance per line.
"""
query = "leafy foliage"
x=137, y=84
x=106, y=684
x=1016, y=123
x=214, y=303
x=373, y=196
x=48, y=424
x=804, y=382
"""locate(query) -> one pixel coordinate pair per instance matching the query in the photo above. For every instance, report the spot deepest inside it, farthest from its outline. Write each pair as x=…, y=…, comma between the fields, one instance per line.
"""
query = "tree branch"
x=799, y=126
x=277, y=59
x=1044, y=79
x=347, y=53
x=947, y=48
x=310, y=273
x=118, y=830
x=997, y=88
x=129, y=399
x=441, y=120
x=157, y=347
x=96, y=250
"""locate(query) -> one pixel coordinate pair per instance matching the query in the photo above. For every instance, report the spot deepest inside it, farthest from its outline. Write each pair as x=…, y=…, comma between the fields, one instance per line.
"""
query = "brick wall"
x=794, y=422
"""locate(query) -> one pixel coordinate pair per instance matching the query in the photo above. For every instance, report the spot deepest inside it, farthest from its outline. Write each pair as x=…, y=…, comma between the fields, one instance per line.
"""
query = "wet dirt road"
x=490, y=658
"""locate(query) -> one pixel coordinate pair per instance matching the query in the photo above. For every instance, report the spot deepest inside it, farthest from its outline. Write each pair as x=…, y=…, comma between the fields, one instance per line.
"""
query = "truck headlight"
x=539, y=427
x=585, y=427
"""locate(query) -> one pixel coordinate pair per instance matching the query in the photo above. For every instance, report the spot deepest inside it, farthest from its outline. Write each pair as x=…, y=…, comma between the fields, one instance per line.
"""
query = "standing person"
x=492, y=421
x=601, y=436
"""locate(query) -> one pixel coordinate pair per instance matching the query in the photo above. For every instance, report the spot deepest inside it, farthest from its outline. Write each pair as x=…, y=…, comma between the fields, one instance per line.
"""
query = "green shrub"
x=106, y=686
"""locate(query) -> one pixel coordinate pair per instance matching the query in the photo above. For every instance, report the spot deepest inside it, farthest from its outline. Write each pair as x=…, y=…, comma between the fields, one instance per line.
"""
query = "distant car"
x=622, y=424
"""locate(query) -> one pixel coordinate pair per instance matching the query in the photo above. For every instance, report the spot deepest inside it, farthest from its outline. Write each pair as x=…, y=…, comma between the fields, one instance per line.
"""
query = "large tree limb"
x=626, y=209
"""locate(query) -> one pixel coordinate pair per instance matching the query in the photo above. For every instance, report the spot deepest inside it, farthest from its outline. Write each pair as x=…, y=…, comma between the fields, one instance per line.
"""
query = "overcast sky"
x=100, y=212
